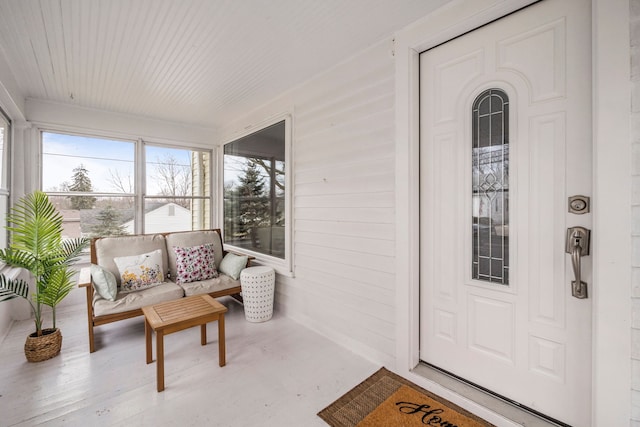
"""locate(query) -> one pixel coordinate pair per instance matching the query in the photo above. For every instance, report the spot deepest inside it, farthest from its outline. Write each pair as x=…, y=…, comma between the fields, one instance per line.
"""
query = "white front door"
x=505, y=140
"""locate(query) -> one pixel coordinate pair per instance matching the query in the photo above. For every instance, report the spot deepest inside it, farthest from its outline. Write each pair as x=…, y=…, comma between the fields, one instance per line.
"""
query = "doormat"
x=386, y=399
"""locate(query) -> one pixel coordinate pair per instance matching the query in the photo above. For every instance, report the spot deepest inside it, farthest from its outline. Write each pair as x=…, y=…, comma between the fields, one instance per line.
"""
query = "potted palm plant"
x=37, y=246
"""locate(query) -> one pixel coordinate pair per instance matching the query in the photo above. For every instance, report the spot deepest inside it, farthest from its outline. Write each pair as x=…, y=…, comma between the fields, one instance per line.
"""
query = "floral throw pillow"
x=195, y=263
x=139, y=272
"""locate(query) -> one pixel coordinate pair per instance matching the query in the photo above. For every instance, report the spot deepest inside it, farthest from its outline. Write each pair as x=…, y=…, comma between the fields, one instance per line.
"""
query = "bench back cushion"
x=188, y=239
x=108, y=248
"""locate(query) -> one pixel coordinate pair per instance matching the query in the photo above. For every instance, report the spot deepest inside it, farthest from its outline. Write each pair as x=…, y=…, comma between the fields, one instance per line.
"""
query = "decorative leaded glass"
x=490, y=190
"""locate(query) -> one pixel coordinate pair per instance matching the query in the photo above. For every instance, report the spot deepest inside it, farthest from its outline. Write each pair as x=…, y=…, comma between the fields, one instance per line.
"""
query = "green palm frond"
x=59, y=285
x=71, y=249
x=12, y=288
x=18, y=258
x=35, y=225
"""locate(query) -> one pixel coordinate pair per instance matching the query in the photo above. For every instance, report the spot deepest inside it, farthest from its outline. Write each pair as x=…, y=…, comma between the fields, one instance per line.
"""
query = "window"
x=255, y=201
x=5, y=133
x=178, y=189
x=490, y=187
x=92, y=182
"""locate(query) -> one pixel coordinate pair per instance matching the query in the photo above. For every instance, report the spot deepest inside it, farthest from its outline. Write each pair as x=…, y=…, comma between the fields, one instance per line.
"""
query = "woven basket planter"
x=39, y=348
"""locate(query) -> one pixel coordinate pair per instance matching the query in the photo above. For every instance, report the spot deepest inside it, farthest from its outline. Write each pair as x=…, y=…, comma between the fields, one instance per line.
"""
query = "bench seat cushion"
x=220, y=283
x=166, y=291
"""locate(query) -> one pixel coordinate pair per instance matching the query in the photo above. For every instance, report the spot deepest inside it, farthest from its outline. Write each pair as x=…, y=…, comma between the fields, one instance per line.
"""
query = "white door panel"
x=527, y=339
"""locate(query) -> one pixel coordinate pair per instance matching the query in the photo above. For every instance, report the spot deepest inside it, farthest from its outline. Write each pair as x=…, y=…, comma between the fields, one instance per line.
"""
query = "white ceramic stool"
x=258, y=287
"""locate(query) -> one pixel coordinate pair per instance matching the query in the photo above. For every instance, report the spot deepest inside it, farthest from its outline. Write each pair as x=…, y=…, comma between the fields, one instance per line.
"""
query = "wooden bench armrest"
x=84, y=277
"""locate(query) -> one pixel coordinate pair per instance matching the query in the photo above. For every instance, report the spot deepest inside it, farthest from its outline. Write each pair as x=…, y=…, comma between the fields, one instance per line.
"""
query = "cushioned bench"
x=157, y=268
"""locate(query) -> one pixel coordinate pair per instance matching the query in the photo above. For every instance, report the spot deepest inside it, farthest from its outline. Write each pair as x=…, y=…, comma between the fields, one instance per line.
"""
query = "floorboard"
x=278, y=373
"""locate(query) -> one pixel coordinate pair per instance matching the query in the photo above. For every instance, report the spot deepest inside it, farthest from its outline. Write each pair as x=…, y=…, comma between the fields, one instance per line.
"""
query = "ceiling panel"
x=199, y=62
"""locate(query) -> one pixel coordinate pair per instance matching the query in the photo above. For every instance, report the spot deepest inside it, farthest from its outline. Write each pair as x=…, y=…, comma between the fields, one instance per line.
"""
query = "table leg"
x=160, y=361
x=147, y=337
x=221, y=346
x=203, y=334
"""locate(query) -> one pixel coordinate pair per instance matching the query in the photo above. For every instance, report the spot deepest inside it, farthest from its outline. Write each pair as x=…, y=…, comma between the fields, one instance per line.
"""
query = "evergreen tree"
x=109, y=223
x=253, y=205
x=81, y=183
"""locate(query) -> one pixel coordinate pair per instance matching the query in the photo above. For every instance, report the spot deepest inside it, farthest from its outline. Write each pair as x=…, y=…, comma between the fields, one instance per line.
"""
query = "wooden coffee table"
x=173, y=316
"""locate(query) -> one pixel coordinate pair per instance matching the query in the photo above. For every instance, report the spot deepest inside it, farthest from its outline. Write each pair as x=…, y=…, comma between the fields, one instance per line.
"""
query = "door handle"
x=577, y=245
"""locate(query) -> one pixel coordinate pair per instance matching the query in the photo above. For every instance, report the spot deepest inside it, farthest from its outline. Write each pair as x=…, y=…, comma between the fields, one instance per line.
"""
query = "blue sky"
x=107, y=158
x=103, y=158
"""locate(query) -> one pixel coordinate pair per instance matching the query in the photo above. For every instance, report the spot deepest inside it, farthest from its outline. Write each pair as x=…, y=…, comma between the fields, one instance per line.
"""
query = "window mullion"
x=140, y=184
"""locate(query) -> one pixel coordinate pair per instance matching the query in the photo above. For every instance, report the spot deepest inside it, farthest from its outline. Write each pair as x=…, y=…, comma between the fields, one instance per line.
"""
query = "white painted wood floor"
x=278, y=373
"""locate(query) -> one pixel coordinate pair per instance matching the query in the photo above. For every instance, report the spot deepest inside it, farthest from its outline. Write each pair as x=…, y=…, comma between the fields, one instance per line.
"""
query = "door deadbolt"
x=579, y=205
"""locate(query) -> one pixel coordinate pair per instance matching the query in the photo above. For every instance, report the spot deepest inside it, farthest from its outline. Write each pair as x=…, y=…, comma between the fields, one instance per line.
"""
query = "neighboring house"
x=159, y=216
x=356, y=226
x=167, y=217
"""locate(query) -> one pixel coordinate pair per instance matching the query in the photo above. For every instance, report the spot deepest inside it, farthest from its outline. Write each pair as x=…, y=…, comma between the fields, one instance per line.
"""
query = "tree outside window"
x=81, y=183
x=254, y=191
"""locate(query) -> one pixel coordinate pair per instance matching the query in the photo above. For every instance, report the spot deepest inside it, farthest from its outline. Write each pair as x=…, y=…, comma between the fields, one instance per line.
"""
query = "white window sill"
x=281, y=266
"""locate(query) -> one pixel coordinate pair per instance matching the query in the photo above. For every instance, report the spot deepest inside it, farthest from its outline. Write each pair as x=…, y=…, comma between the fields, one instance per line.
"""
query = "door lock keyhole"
x=579, y=205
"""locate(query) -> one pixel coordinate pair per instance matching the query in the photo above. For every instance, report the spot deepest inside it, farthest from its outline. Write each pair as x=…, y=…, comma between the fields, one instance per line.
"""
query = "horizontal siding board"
x=379, y=263
x=350, y=107
x=336, y=114
x=354, y=289
x=371, y=128
x=378, y=311
x=356, y=244
x=348, y=76
x=365, y=215
x=349, y=151
x=357, y=200
x=369, y=276
x=338, y=292
x=375, y=119
x=344, y=228
x=373, y=183
x=356, y=167
x=341, y=98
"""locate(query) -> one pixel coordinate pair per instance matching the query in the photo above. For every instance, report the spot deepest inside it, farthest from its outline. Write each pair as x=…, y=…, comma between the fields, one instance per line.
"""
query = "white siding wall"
x=343, y=202
x=635, y=209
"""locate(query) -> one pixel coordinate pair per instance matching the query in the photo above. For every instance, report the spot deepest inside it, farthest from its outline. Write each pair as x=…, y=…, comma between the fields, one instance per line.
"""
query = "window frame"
x=282, y=266
x=5, y=176
x=139, y=194
x=143, y=179
x=481, y=231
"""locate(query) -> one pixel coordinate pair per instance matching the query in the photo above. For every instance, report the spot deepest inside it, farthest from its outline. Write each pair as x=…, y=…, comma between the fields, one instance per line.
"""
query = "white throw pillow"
x=232, y=265
x=104, y=282
x=139, y=272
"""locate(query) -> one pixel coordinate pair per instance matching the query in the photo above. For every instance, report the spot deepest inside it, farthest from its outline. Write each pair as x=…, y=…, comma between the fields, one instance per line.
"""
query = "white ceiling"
x=200, y=62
